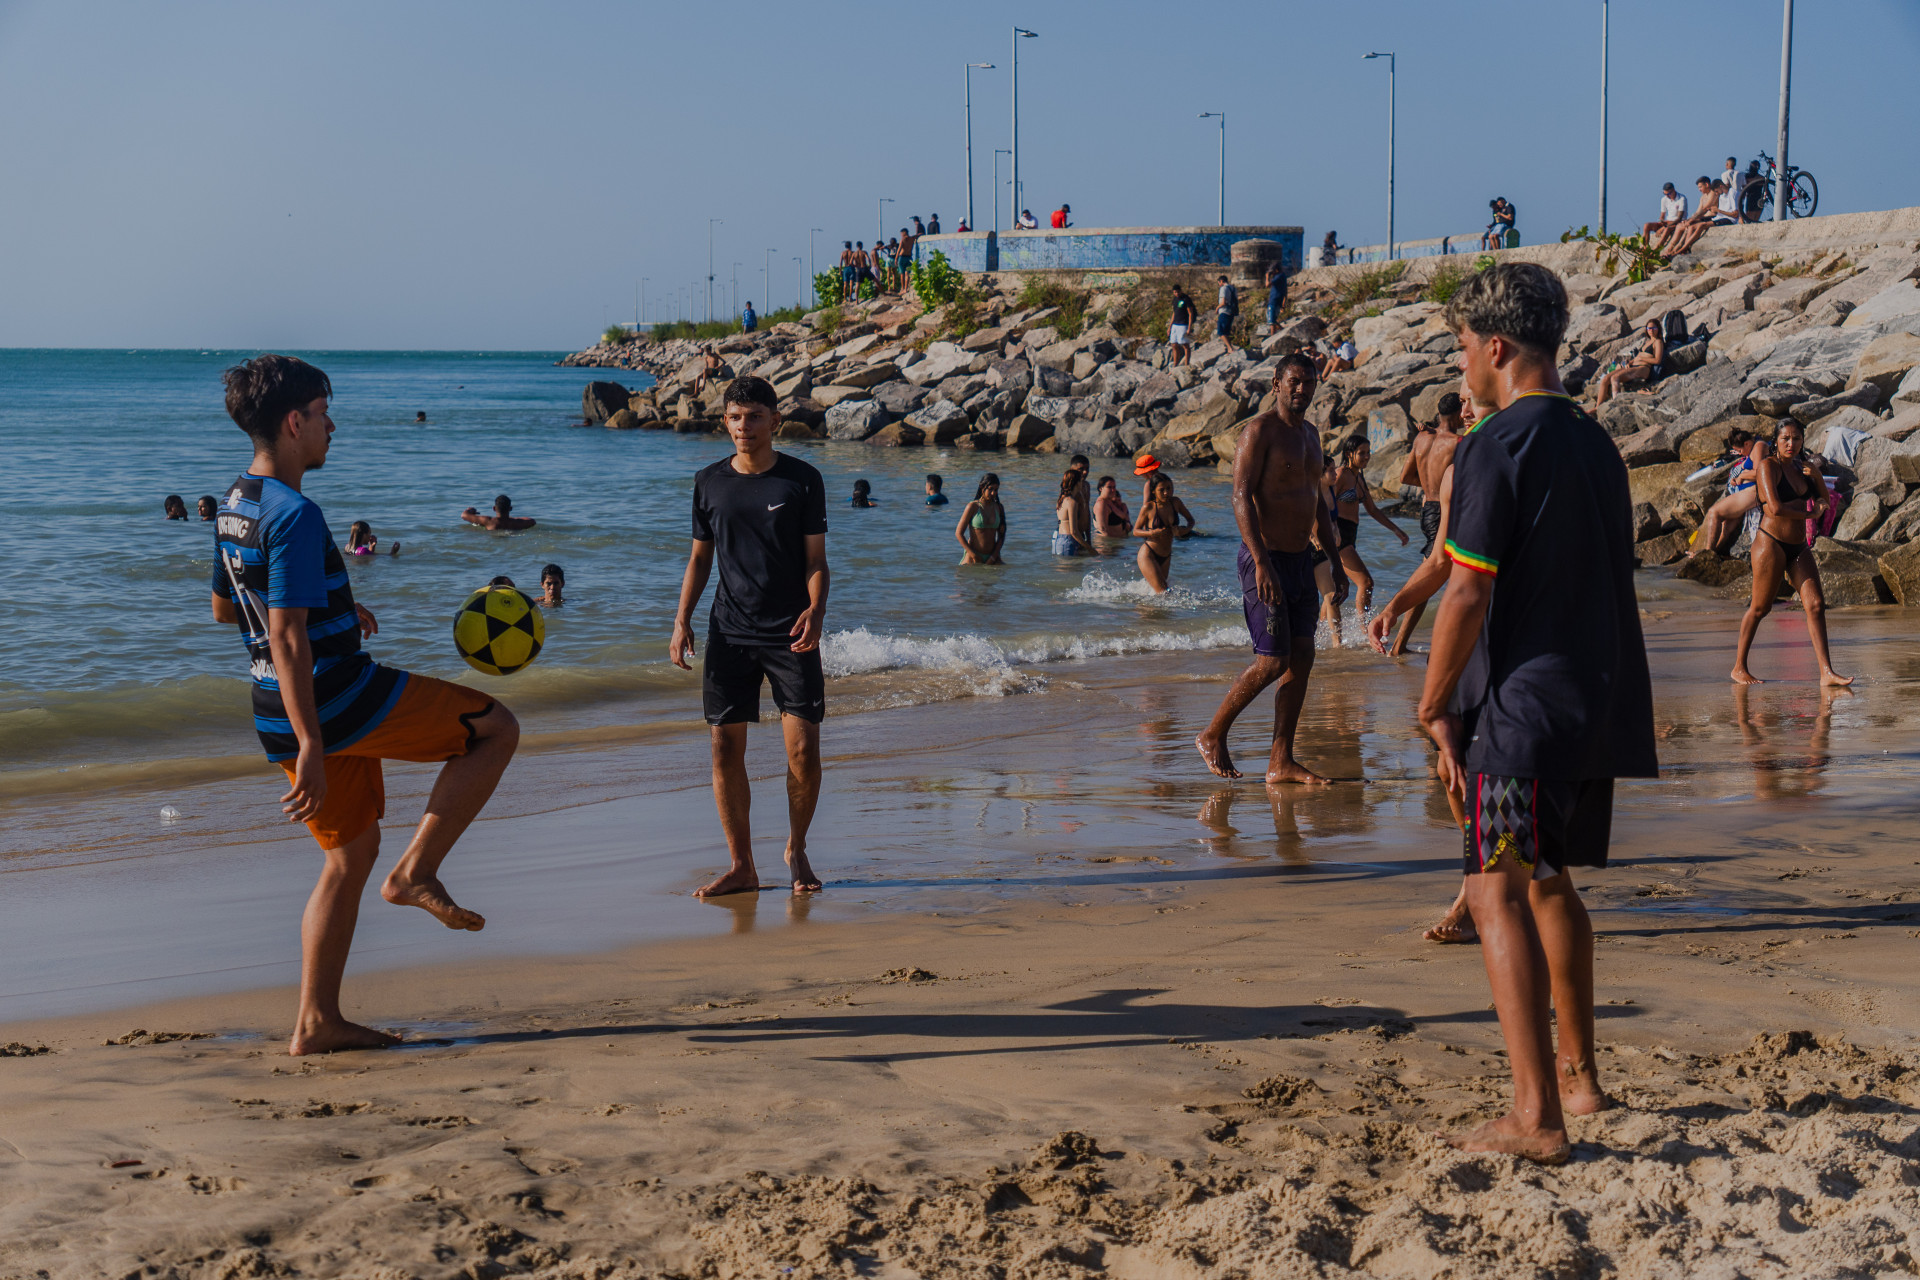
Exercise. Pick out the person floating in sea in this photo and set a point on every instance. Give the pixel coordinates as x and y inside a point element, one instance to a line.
<point>420,416</point>
<point>553,586</point>
<point>1154,528</point>
<point>1279,502</point>
<point>862,495</point>
<point>361,542</point>
<point>175,507</point>
<point>762,516</point>
<point>1111,518</point>
<point>1348,484</point>
<point>935,498</point>
<point>1793,494</point>
<point>325,711</point>
<point>1427,463</point>
<point>983,524</point>
<point>502,520</point>
<point>1538,646</point>
<point>208,507</point>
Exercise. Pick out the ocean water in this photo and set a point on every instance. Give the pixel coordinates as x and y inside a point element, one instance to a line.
<point>115,660</point>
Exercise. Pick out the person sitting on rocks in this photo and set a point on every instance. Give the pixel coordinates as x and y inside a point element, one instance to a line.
<point>1682,237</point>
<point>1648,365</point>
<point>502,520</point>
<point>1752,192</point>
<point>1342,358</point>
<point>1673,212</point>
<point>709,368</point>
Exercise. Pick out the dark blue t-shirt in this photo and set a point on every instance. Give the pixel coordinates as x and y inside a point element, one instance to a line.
<point>272,550</point>
<point>1557,687</point>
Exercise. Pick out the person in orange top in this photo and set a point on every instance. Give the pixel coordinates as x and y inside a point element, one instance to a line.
<point>1060,215</point>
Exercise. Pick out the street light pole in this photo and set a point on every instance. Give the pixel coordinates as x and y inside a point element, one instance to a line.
<point>766,282</point>
<point>1208,115</point>
<point>812,294</point>
<point>736,290</point>
<point>1393,75</point>
<point>995,202</point>
<point>799,285</point>
<point>881,217</point>
<point>1013,204</point>
<point>710,222</point>
<point>643,295</point>
<point>971,68</point>
<point>1603,117</point>
<point>1786,80</point>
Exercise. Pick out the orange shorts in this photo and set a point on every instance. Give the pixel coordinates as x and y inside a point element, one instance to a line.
<point>432,721</point>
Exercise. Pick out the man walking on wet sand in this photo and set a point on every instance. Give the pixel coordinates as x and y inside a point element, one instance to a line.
<point>1279,501</point>
<point>763,516</point>
<point>326,712</point>
<point>1537,692</point>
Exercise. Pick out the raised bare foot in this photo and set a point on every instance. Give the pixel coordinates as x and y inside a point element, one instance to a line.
<point>1831,681</point>
<point>735,881</point>
<point>1215,754</point>
<point>336,1037</point>
<point>1580,1091</point>
<point>1507,1136</point>
<point>1455,926</point>
<point>1292,771</point>
<point>804,881</point>
<point>1743,676</point>
<point>428,894</point>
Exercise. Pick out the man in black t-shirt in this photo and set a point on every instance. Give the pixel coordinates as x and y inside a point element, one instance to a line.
<point>1180,328</point>
<point>1537,691</point>
<point>763,516</point>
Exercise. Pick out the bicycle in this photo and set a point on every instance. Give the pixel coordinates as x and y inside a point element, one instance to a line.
<point>1803,193</point>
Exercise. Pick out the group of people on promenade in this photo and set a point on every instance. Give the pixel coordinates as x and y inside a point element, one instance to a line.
<point>1536,696</point>
<point>1733,197</point>
<point>888,266</point>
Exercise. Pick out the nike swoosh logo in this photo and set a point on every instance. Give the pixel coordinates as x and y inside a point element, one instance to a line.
<point>776,506</point>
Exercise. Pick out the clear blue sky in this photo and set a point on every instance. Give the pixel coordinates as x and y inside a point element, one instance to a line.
<point>492,175</point>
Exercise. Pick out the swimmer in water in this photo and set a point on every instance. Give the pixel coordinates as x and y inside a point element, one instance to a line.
<point>209,508</point>
<point>935,498</point>
<point>421,416</point>
<point>361,542</point>
<point>176,507</point>
<point>983,524</point>
<point>1155,530</point>
<point>1111,519</point>
<point>502,520</point>
<point>862,495</point>
<point>553,584</point>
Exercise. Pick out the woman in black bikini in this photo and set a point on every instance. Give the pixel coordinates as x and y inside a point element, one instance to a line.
<point>1348,492</point>
<point>1792,492</point>
<point>1155,529</point>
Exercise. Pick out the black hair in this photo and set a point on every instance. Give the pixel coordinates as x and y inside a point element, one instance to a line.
<point>750,391</point>
<point>502,504</point>
<point>935,481</point>
<point>500,580</point>
<point>1666,186</point>
<point>846,244</point>
<point>1703,181</point>
<point>206,498</point>
<point>263,390</point>
<point>1295,360</point>
<point>1449,406</point>
<point>861,486</point>
<point>555,572</point>
<point>987,481</point>
<point>1104,481</point>
<point>1078,460</point>
<point>174,500</point>
<point>1353,444</point>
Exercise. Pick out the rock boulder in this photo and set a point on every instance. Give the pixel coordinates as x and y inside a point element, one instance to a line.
<point>601,400</point>
<point>1900,570</point>
<point>855,419</point>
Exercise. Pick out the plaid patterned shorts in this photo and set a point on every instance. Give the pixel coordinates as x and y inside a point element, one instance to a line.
<point>1545,825</point>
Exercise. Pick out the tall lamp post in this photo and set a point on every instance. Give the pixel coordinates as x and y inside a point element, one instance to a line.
<point>1786,80</point>
<point>811,294</point>
<point>643,295</point>
<point>1603,117</point>
<point>710,222</point>
<point>799,284</point>
<point>971,68</point>
<point>766,282</point>
<point>995,202</point>
<point>1013,205</point>
<point>1209,115</point>
<point>881,219</point>
<point>736,291</point>
<point>1393,75</point>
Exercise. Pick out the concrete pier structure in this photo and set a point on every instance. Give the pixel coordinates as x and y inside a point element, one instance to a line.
<point>1108,249</point>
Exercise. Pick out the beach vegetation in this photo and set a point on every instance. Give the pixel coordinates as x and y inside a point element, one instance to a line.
<point>1365,286</point>
<point>1484,262</point>
<point>1445,282</point>
<point>830,317</point>
<point>615,334</point>
<point>962,312</point>
<point>1038,292</point>
<point>1788,270</point>
<point>937,281</point>
<point>826,287</point>
<point>1145,314</point>
<point>1611,250</point>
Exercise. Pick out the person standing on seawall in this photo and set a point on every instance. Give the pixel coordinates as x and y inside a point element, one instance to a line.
<point>326,712</point>
<point>1538,645</point>
<point>748,320</point>
<point>762,516</point>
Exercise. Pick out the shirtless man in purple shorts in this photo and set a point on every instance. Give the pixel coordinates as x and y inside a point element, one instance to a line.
<point>1279,501</point>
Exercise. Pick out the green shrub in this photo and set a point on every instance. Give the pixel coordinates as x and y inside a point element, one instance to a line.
<point>826,287</point>
<point>1050,293</point>
<point>615,334</point>
<point>1612,248</point>
<point>1445,282</point>
<point>830,318</point>
<point>1369,284</point>
<point>937,281</point>
<point>962,314</point>
<point>1483,262</point>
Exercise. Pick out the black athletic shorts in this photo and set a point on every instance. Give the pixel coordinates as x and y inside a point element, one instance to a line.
<point>1545,825</point>
<point>1430,526</point>
<point>730,682</point>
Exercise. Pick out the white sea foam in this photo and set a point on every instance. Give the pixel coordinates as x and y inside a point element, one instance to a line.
<point>863,652</point>
<point>1102,587</point>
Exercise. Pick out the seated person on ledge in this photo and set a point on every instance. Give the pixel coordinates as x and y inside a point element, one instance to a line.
<point>502,518</point>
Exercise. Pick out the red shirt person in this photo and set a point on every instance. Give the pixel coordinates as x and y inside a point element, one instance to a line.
<point>1060,215</point>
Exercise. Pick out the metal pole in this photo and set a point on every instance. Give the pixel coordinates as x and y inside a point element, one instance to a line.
<point>710,222</point>
<point>969,76</point>
<point>766,282</point>
<point>995,202</point>
<point>799,285</point>
<point>1603,117</point>
<point>881,216</point>
<point>1393,88</point>
<point>1786,80</point>
<point>1223,168</point>
<point>736,291</point>
<point>813,294</point>
<point>1013,203</point>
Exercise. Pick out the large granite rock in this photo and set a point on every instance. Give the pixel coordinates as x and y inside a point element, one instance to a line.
<point>1900,570</point>
<point>1662,548</point>
<point>1096,439</point>
<point>1776,399</point>
<point>1846,576</point>
<point>1898,301</point>
<point>830,396</point>
<point>1687,357</point>
<point>944,359</point>
<point>1648,447</point>
<point>1866,396</point>
<point>987,340</point>
<point>1886,362</point>
<point>1711,569</point>
<point>869,375</point>
<point>855,419</point>
<point>1158,391</point>
<point>1211,418</point>
<point>900,398</point>
<point>1294,335</point>
<point>1824,357</point>
<point>1902,525</point>
<point>1051,381</point>
<point>1630,415</point>
<point>601,400</point>
<point>1027,431</point>
<point>1009,373</point>
<point>624,420</point>
<point>1862,516</point>
<point>1055,409</point>
<point>1574,375</point>
<point>1712,394</point>
<point>1595,323</point>
<point>1875,471</point>
<point>983,441</point>
<point>1791,296</point>
<point>943,421</point>
<point>896,435</point>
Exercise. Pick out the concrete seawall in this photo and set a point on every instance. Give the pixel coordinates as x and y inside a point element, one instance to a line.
<point>1098,249</point>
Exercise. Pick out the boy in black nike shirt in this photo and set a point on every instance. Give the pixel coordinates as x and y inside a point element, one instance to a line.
<point>763,516</point>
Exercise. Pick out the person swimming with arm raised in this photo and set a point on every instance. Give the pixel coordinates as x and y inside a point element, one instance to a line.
<point>502,520</point>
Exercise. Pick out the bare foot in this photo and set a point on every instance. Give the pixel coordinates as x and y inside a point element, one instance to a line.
<point>1215,754</point>
<point>1831,681</point>
<point>1580,1091</point>
<point>1455,926</point>
<point>1508,1137</point>
<point>1742,676</point>
<point>1294,771</point>
<point>735,881</point>
<point>432,897</point>
<point>804,881</point>
<point>336,1037</point>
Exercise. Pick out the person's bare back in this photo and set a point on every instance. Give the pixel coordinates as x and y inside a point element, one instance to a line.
<point>1432,455</point>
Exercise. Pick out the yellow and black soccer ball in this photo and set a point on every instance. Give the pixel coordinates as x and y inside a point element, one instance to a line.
<point>499,631</point>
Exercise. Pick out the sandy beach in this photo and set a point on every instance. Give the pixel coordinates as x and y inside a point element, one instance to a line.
<point>1069,1007</point>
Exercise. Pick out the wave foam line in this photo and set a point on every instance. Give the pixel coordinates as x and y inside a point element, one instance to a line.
<point>862,652</point>
<point>1100,587</point>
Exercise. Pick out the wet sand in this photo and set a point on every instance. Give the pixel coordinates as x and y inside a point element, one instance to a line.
<point>1070,1006</point>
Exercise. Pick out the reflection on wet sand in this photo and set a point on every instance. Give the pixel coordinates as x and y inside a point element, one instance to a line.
<point>1779,717</point>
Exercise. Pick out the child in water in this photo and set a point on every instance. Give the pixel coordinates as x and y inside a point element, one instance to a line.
<point>361,542</point>
<point>553,581</point>
<point>935,498</point>
<point>862,494</point>
<point>209,507</point>
<point>176,507</point>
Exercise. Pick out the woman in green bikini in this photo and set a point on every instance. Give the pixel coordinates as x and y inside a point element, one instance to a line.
<point>983,524</point>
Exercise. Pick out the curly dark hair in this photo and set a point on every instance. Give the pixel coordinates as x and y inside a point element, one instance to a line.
<point>750,391</point>
<point>263,390</point>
